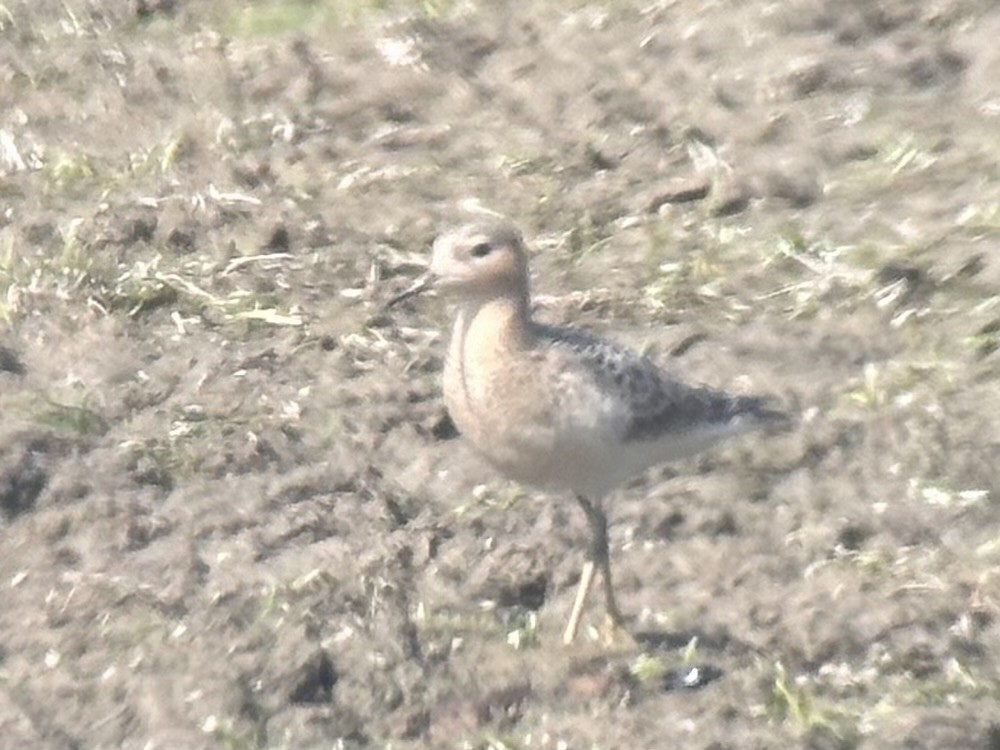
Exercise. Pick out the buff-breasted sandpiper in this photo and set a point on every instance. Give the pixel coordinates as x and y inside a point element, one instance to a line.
<point>557,408</point>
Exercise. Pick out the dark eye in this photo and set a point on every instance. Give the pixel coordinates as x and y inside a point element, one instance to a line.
<point>481,250</point>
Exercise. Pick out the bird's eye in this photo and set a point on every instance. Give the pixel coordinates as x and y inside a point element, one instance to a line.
<point>481,250</point>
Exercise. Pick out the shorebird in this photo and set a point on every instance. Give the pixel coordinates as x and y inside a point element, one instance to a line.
<point>557,408</point>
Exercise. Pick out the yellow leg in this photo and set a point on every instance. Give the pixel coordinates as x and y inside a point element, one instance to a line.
<point>586,579</point>
<point>598,561</point>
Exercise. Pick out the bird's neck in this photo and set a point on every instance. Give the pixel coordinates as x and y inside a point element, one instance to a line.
<point>494,324</point>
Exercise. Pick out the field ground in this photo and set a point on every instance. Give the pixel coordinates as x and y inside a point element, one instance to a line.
<point>229,516</point>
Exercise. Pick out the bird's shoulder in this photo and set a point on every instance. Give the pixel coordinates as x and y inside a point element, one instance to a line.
<point>653,401</point>
<point>613,365</point>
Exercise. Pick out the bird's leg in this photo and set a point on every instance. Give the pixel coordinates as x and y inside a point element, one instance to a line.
<point>602,559</point>
<point>586,575</point>
<point>586,579</point>
<point>599,559</point>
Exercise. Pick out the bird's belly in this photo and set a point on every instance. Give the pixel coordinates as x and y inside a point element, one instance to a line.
<point>536,440</point>
<point>542,457</point>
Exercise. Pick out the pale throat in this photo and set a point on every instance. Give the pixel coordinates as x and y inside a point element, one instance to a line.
<point>484,327</point>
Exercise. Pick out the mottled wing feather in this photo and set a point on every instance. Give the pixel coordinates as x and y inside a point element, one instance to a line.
<point>655,402</point>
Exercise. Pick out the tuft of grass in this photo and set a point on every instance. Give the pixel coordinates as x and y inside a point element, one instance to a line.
<point>824,268</point>
<point>72,420</point>
<point>513,166</point>
<point>980,218</point>
<point>905,152</point>
<point>696,278</point>
<point>490,499</point>
<point>525,635</point>
<point>897,154</point>
<point>67,170</point>
<point>60,272</point>
<point>898,385</point>
<point>161,158</point>
<point>75,269</point>
<point>874,562</point>
<point>648,668</point>
<point>873,391</point>
<point>9,291</point>
<point>791,703</point>
<point>494,741</point>
<point>161,461</point>
<point>986,340</point>
<point>279,17</point>
<point>140,288</point>
<point>689,654</point>
<point>586,237</point>
<point>443,622</point>
<point>236,734</point>
<point>271,19</point>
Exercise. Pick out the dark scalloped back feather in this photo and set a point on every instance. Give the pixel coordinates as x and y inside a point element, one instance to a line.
<point>657,402</point>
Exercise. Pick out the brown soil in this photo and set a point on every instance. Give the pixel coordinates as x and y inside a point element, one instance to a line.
<point>230,515</point>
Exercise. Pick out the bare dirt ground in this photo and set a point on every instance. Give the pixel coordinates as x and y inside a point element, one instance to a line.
<point>230,515</point>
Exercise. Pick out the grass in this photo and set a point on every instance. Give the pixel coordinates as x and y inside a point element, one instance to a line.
<point>443,622</point>
<point>161,158</point>
<point>69,415</point>
<point>164,461</point>
<point>495,741</point>
<point>810,275</point>
<point>76,172</point>
<point>986,340</point>
<point>980,219</point>
<point>280,17</point>
<point>79,270</point>
<point>905,152</point>
<point>648,668</point>
<point>492,499</point>
<point>69,170</point>
<point>711,255</point>
<point>72,420</point>
<point>26,274</point>
<point>143,287</point>
<point>526,634</point>
<point>882,384</point>
<point>266,19</point>
<point>858,702</point>
<point>791,702</point>
<point>237,734</point>
<point>899,153</point>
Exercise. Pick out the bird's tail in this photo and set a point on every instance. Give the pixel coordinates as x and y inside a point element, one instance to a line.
<point>755,412</point>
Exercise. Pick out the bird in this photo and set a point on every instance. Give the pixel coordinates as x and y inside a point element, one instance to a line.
<point>557,408</point>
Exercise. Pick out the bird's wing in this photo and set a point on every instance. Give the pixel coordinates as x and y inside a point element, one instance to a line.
<point>654,402</point>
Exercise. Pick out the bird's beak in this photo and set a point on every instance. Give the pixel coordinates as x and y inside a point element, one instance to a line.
<point>420,286</point>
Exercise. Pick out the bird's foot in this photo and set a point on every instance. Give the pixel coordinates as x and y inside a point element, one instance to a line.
<point>615,636</point>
